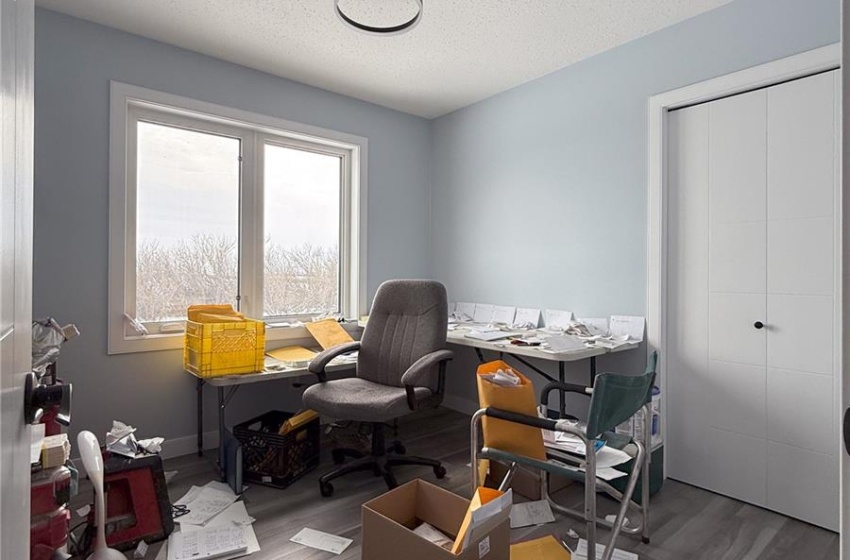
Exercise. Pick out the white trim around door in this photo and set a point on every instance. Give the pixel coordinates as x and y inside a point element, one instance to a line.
<point>811,62</point>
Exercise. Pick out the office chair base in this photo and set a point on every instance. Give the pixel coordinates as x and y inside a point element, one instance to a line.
<point>381,462</point>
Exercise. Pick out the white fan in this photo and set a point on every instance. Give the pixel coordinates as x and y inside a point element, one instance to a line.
<point>93,461</point>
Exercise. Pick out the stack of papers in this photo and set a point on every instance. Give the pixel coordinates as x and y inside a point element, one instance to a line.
<point>216,523</point>
<point>488,335</point>
<point>581,552</point>
<point>504,378</point>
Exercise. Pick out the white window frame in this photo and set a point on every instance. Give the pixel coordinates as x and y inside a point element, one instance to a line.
<point>127,104</point>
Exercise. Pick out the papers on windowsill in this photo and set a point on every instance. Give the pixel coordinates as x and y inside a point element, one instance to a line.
<point>531,513</point>
<point>321,541</point>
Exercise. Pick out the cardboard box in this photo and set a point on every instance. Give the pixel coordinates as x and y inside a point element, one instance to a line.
<point>389,520</point>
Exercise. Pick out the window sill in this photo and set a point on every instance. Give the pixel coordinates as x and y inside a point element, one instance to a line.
<point>174,341</point>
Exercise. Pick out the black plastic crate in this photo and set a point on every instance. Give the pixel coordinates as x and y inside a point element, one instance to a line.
<point>277,460</point>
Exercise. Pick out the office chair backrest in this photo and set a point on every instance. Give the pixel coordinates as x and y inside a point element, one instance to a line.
<point>617,397</point>
<point>408,320</point>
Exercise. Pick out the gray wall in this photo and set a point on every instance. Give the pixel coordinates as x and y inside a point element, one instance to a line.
<point>539,193</point>
<point>75,60</point>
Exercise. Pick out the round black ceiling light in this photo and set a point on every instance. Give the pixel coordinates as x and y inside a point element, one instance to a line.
<point>361,21</point>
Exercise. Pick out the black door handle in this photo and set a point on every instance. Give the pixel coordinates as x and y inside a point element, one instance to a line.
<point>758,325</point>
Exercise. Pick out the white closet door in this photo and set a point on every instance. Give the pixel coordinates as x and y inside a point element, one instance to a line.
<point>801,387</point>
<point>751,227</point>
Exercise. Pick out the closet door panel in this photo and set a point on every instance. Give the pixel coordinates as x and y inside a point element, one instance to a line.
<point>803,484</point>
<point>737,397</point>
<point>801,148</point>
<point>801,256</point>
<point>731,335</point>
<point>737,144</point>
<point>738,257</point>
<point>800,409</point>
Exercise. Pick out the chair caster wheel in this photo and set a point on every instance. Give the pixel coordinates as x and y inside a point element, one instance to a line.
<point>644,540</point>
<point>440,471</point>
<point>326,488</point>
<point>338,457</point>
<point>398,448</point>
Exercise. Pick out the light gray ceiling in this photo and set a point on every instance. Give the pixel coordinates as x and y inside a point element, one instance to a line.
<point>461,52</point>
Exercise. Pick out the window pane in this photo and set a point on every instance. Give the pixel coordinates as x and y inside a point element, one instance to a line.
<point>302,230</point>
<point>187,220</point>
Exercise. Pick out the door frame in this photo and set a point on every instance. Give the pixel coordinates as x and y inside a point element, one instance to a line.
<point>772,73</point>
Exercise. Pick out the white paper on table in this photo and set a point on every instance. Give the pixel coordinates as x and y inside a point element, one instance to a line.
<point>36,441</point>
<point>464,311</point>
<point>627,325</point>
<point>596,325</point>
<point>527,316</point>
<point>483,313</point>
<point>565,343</point>
<point>321,541</point>
<point>208,503</point>
<point>503,314</point>
<point>557,319</point>
<point>581,552</point>
<point>531,513</point>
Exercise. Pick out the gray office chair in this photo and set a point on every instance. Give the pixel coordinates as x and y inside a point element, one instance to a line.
<point>401,367</point>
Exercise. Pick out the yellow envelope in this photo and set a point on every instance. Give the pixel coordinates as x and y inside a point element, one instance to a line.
<point>509,436</point>
<point>291,354</point>
<point>481,497</point>
<point>546,547</point>
<point>328,333</point>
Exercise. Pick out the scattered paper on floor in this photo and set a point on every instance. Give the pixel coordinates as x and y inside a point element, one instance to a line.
<point>531,513</point>
<point>321,541</point>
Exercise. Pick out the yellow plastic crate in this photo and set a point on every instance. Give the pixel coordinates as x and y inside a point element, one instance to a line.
<point>216,349</point>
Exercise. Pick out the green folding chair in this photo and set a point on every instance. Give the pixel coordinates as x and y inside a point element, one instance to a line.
<point>614,399</point>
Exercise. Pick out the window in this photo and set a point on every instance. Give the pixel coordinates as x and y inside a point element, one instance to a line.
<point>213,205</point>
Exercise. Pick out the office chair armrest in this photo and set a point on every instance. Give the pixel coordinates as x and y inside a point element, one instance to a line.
<point>422,367</point>
<point>320,362</point>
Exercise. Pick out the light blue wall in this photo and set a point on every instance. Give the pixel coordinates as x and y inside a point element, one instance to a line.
<point>75,60</point>
<point>539,194</point>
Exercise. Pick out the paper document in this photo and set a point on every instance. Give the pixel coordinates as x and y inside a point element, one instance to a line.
<point>483,313</point>
<point>556,319</point>
<point>234,516</point>
<point>207,542</point>
<point>488,336</point>
<point>322,541</point>
<point>434,535</point>
<point>504,378</point>
<point>581,552</point>
<point>208,503</point>
<point>464,311</point>
<point>597,326</point>
<point>565,343</point>
<point>526,318</point>
<point>486,511</point>
<point>626,325</point>
<point>503,314</point>
<point>36,441</point>
<point>531,513</point>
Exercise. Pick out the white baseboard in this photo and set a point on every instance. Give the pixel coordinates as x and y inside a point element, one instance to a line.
<point>460,404</point>
<point>188,445</point>
<point>171,448</point>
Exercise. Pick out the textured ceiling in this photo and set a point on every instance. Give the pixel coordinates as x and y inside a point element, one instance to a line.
<point>462,51</point>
